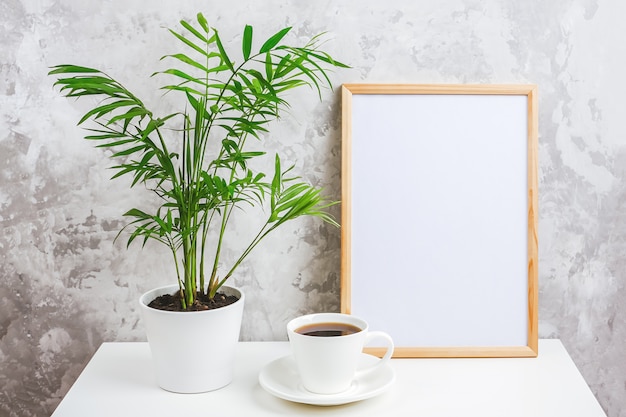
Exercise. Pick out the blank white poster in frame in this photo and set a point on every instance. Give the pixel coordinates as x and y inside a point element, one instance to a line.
<point>439,217</point>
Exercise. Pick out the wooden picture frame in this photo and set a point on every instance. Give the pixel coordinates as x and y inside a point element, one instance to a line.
<point>439,216</point>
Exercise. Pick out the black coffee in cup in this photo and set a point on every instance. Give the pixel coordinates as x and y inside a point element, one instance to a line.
<point>327,329</point>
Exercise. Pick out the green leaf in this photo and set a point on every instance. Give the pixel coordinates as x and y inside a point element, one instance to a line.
<point>323,56</point>
<point>184,76</point>
<point>283,65</point>
<point>230,146</point>
<point>184,58</point>
<point>112,144</point>
<point>276,185</point>
<point>129,151</point>
<point>83,87</point>
<point>194,31</point>
<point>273,41</point>
<point>223,53</point>
<point>107,108</point>
<point>247,42</point>
<point>269,67</point>
<point>251,154</point>
<point>198,107</point>
<point>130,114</point>
<point>203,22</point>
<point>189,43</point>
<point>65,69</point>
<point>288,85</point>
<point>183,89</point>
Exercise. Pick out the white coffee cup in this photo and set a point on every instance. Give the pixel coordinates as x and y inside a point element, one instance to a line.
<point>328,364</point>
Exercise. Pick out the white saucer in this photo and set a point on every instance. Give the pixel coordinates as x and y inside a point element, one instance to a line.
<point>280,378</point>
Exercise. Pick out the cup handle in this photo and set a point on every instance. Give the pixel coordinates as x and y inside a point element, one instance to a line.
<point>385,359</point>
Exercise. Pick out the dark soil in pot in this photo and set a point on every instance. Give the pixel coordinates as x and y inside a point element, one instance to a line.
<point>171,302</point>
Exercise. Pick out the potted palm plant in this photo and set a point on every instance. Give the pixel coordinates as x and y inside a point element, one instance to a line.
<point>198,161</point>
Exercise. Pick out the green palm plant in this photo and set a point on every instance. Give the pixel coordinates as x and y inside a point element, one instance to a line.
<point>227,106</point>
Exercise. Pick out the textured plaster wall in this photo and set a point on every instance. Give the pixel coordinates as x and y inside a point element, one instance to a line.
<point>65,287</point>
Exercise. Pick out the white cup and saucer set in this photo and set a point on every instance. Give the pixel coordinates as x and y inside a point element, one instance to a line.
<point>327,365</point>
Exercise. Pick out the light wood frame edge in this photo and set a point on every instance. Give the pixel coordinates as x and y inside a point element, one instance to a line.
<point>458,352</point>
<point>530,90</point>
<point>533,210</point>
<point>346,199</point>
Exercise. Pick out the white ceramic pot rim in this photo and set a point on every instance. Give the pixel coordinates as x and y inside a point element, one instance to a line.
<point>150,295</point>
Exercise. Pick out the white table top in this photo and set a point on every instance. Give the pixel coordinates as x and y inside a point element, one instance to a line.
<point>119,381</point>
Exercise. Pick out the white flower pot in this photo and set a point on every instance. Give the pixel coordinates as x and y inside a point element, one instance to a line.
<point>193,351</point>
